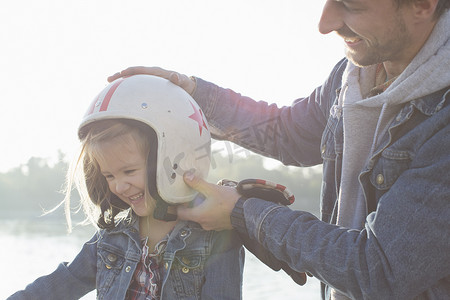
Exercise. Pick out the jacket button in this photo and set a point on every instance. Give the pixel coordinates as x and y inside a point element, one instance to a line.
<point>380,179</point>
<point>166,265</point>
<point>108,267</point>
<point>324,148</point>
<point>185,270</point>
<point>184,233</point>
<point>112,257</point>
<point>128,269</point>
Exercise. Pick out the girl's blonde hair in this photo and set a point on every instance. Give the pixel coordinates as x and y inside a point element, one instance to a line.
<point>99,204</point>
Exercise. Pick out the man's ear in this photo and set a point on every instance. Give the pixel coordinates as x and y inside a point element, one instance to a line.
<point>424,9</point>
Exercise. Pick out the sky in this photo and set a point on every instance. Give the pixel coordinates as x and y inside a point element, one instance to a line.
<point>55,57</point>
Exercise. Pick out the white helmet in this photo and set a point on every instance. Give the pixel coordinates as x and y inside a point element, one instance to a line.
<point>184,140</point>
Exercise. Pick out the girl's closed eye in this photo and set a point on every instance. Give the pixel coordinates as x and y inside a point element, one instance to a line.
<point>108,177</point>
<point>130,172</point>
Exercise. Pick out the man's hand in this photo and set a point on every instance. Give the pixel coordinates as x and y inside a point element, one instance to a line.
<point>181,80</point>
<point>213,213</point>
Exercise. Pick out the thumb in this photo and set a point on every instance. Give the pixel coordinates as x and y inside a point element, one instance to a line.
<point>197,183</point>
<point>197,212</point>
<point>214,212</point>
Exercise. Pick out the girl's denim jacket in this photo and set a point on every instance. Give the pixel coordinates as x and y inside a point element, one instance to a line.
<point>403,252</point>
<point>197,264</point>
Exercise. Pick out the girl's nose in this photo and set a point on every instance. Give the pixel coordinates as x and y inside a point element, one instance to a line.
<point>331,19</point>
<point>122,186</point>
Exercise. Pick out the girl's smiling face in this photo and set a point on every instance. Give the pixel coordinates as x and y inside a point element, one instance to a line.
<point>124,166</point>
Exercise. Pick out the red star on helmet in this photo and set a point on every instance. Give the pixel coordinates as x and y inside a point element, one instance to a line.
<point>197,116</point>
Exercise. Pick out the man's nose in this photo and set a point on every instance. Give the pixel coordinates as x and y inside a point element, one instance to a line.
<point>331,19</point>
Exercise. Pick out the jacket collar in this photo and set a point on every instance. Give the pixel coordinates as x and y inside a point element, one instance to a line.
<point>432,103</point>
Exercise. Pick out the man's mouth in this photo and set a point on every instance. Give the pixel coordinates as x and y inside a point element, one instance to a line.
<point>352,40</point>
<point>349,36</point>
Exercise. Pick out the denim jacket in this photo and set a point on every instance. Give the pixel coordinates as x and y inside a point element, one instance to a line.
<point>403,252</point>
<point>197,264</point>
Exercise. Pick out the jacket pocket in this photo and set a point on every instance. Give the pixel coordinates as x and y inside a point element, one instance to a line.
<point>389,167</point>
<point>187,273</point>
<point>110,261</point>
<point>332,139</point>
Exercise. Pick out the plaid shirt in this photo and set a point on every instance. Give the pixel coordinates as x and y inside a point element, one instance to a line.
<point>381,84</point>
<point>146,281</point>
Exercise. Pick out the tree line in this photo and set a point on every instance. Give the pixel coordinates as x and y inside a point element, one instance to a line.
<point>35,187</point>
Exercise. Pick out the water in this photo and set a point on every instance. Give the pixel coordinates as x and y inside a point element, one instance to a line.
<point>31,249</point>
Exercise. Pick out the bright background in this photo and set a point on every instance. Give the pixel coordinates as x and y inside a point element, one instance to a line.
<point>55,57</point>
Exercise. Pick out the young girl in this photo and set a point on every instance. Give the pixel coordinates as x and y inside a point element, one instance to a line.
<point>138,138</point>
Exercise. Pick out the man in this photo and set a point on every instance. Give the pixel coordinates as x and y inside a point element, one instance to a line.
<point>380,127</point>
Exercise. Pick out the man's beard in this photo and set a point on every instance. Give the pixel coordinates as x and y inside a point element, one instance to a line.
<point>387,48</point>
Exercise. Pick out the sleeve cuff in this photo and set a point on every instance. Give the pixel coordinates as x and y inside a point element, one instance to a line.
<point>237,217</point>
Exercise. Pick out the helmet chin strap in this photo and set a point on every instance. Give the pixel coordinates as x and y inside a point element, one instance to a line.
<point>161,211</point>
<point>161,208</point>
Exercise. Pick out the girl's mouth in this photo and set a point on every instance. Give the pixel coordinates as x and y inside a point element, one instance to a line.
<point>136,198</point>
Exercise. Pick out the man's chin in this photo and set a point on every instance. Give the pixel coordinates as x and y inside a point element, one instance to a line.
<point>360,62</point>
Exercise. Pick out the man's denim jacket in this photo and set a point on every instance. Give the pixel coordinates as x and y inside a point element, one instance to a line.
<point>197,264</point>
<point>403,252</point>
